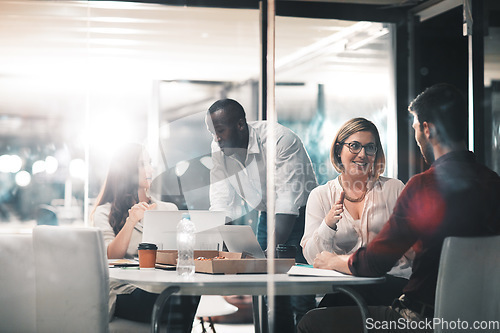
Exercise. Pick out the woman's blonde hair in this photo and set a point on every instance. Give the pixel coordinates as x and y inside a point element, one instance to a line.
<point>352,126</point>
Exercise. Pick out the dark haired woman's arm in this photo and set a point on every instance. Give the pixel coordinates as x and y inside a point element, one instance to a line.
<point>118,247</point>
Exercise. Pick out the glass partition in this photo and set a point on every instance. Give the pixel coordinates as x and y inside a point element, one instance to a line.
<point>492,96</point>
<point>42,112</point>
<point>78,79</point>
<point>334,71</point>
<point>116,72</point>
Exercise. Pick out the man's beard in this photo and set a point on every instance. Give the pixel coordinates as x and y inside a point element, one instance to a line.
<point>228,151</point>
<point>427,151</point>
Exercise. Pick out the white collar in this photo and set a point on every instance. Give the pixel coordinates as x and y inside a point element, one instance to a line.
<point>253,141</point>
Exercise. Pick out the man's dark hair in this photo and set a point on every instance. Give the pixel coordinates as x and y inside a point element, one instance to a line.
<point>233,109</point>
<point>444,106</point>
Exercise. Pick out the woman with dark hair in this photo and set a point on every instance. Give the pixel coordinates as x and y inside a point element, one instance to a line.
<point>118,213</point>
<point>349,211</point>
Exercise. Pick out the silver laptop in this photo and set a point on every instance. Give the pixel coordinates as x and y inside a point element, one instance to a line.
<point>160,228</point>
<point>240,239</point>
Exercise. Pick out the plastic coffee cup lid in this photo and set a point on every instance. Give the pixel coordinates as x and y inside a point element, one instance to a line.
<point>147,246</point>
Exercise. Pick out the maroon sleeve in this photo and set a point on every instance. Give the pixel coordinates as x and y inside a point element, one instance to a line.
<point>395,238</point>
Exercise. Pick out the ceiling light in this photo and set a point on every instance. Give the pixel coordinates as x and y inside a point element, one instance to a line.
<point>118,5</point>
<point>334,43</point>
<point>114,19</point>
<point>117,31</point>
<point>113,42</point>
<point>360,43</point>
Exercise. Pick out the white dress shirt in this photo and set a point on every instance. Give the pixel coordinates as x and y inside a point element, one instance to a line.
<point>351,234</point>
<point>231,181</point>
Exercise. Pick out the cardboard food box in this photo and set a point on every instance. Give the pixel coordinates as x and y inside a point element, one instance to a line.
<point>233,263</point>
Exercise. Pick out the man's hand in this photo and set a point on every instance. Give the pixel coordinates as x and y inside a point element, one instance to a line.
<point>329,260</point>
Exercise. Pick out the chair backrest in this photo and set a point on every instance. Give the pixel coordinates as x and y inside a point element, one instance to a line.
<point>17,283</point>
<point>72,279</point>
<point>46,215</point>
<point>468,286</point>
<point>214,305</point>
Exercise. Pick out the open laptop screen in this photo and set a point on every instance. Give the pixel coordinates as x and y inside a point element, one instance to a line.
<point>160,228</point>
<point>241,238</point>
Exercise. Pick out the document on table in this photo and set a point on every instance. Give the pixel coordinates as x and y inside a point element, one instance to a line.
<point>310,271</point>
<point>122,262</point>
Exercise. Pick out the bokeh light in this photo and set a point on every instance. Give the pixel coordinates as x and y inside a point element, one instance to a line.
<point>51,164</point>
<point>38,167</point>
<point>10,163</point>
<point>77,168</point>
<point>23,178</point>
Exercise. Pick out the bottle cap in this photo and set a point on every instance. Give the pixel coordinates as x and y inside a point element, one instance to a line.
<point>186,216</point>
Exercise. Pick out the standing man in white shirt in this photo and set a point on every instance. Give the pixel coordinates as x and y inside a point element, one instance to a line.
<point>239,154</point>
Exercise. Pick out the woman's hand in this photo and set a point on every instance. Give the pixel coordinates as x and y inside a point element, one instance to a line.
<point>334,215</point>
<point>136,213</point>
<point>118,247</point>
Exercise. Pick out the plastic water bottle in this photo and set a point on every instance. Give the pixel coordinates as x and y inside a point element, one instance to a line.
<point>185,247</point>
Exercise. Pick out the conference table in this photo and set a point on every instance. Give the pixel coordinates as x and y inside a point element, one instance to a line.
<point>167,283</point>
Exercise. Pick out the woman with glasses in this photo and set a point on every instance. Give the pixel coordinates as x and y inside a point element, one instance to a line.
<point>349,211</point>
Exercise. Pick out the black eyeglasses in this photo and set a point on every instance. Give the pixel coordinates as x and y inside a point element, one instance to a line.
<point>355,147</point>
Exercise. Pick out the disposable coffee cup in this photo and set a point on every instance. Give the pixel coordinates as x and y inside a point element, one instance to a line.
<point>286,251</point>
<point>147,255</point>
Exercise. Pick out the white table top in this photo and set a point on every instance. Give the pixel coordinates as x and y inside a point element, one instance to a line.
<point>234,284</point>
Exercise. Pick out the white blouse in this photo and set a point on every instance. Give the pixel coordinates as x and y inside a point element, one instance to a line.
<point>351,234</point>
<point>101,221</point>
<point>231,181</point>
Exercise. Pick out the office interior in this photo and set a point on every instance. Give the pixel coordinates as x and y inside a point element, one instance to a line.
<point>78,78</point>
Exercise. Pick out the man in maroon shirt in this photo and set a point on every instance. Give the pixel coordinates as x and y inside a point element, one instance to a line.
<point>456,197</point>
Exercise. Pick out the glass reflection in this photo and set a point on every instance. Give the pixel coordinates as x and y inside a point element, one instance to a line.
<point>340,70</point>
<point>116,72</point>
<point>492,95</point>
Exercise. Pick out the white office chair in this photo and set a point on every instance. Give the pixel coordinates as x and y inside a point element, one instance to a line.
<point>17,286</point>
<point>468,286</point>
<point>211,306</point>
<point>72,282</point>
